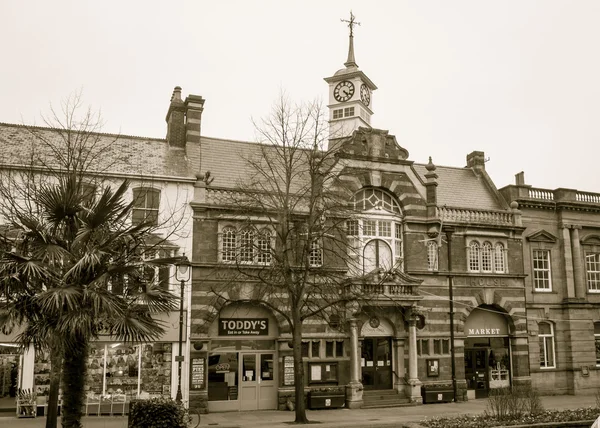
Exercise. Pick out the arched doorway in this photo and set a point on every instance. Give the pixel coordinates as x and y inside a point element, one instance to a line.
<point>487,351</point>
<point>376,354</point>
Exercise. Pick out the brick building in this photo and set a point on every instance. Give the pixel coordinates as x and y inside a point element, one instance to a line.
<point>561,257</point>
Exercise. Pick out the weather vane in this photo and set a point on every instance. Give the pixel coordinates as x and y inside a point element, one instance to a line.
<point>351,23</point>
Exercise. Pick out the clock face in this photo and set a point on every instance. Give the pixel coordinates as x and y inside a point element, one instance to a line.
<point>343,91</point>
<point>365,94</point>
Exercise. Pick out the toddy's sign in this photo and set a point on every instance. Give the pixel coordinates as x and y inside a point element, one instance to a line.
<point>243,326</point>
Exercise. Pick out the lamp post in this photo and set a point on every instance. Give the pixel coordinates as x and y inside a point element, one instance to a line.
<point>182,274</point>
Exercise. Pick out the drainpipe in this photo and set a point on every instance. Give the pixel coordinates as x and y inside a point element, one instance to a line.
<point>449,232</point>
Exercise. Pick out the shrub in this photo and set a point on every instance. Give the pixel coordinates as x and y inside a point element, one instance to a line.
<point>513,403</point>
<point>158,413</point>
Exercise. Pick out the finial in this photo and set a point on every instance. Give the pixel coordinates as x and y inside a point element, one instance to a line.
<point>430,166</point>
<point>350,62</point>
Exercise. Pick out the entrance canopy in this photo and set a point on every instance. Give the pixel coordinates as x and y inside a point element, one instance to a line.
<point>486,322</point>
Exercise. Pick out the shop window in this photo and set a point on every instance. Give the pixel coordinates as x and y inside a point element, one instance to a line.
<point>223,377</point>
<point>432,256</point>
<point>592,267</point>
<point>597,341</point>
<point>541,270</point>
<point>145,206</point>
<point>546,340</point>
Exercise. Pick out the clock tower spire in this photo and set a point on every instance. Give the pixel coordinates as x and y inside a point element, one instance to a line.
<point>350,94</point>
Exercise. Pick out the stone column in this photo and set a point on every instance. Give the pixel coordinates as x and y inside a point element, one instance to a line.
<point>399,366</point>
<point>578,273</point>
<point>414,384</point>
<point>568,258</point>
<point>354,390</point>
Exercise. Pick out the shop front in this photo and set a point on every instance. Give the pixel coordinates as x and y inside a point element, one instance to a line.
<point>242,360</point>
<point>487,351</point>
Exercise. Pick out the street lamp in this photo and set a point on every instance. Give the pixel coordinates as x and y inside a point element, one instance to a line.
<point>182,274</point>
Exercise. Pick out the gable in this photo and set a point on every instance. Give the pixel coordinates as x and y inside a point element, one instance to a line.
<point>541,236</point>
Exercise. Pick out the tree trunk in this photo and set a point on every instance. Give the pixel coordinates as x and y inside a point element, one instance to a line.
<point>73,378</point>
<point>298,370</point>
<point>55,369</point>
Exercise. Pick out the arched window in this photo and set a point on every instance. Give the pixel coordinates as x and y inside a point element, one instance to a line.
<point>228,241</point>
<point>474,256</point>
<point>263,246</point>
<point>375,236</point>
<point>145,206</point>
<point>486,257</point>
<point>432,255</point>
<point>499,263</point>
<point>247,245</point>
<point>546,336</point>
<point>377,254</point>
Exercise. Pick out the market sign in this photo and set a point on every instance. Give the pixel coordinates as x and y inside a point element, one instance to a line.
<point>486,322</point>
<point>243,326</point>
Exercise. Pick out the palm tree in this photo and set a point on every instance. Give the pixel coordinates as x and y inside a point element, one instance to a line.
<point>75,272</point>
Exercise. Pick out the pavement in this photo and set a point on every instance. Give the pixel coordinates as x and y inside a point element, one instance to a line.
<point>332,418</point>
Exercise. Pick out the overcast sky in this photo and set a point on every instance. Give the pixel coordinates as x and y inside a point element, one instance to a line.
<point>519,80</point>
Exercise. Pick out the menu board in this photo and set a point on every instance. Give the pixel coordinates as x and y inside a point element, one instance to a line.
<point>288,370</point>
<point>197,373</point>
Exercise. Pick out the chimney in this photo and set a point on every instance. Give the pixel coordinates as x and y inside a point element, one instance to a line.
<point>176,133</point>
<point>476,160</point>
<point>520,179</point>
<point>194,105</point>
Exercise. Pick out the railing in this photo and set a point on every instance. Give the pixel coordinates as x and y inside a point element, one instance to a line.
<point>547,195</point>
<point>225,197</point>
<point>463,215</point>
<point>388,290</point>
<point>587,197</point>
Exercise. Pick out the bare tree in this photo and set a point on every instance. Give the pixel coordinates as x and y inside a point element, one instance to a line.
<point>291,253</point>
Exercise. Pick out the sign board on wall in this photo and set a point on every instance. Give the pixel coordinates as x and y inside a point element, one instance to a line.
<point>243,326</point>
<point>486,323</point>
<point>288,370</point>
<point>197,373</point>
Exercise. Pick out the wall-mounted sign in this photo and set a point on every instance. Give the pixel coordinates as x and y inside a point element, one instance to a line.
<point>486,323</point>
<point>243,326</point>
<point>288,370</point>
<point>197,373</point>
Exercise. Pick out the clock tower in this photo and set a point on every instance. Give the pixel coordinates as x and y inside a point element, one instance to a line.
<point>350,94</point>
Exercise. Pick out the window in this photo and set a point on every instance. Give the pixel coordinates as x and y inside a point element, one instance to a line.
<point>145,206</point>
<point>499,258</point>
<point>486,257</point>
<point>432,255</point>
<point>315,256</point>
<point>546,336</point>
<point>247,245</point>
<point>597,341</point>
<point>592,267</point>
<point>375,240</point>
<point>541,270</point>
<point>349,112</point>
<point>338,114</point>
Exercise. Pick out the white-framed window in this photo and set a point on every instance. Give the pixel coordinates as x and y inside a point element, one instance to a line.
<point>542,280</point>
<point>486,257</point>
<point>547,353</point>
<point>348,111</point>
<point>597,341</point>
<point>375,239</point>
<point>246,245</point>
<point>146,202</point>
<point>432,255</point>
<point>592,269</point>
<point>499,262</point>
<point>315,255</point>
<point>338,114</point>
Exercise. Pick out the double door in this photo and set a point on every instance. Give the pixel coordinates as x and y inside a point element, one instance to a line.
<point>376,362</point>
<point>258,390</point>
